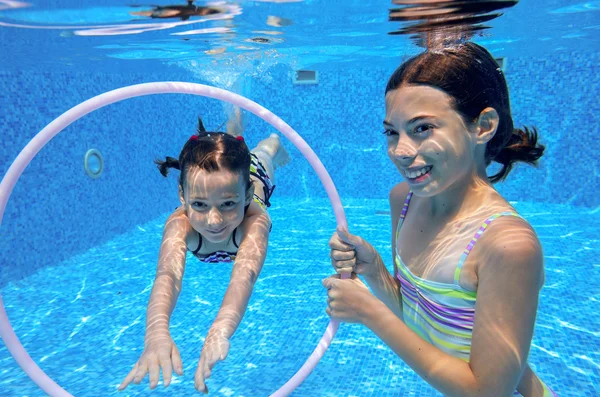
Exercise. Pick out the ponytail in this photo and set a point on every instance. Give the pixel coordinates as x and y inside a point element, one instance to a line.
<point>163,166</point>
<point>521,146</point>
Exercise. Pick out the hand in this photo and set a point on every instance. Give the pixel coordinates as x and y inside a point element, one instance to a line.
<point>352,254</point>
<point>348,300</point>
<point>216,347</point>
<point>160,353</point>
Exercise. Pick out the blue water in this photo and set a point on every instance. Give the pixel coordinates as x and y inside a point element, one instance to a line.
<point>78,256</point>
<point>83,320</point>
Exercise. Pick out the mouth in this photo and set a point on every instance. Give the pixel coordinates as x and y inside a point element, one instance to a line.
<point>418,175</point>
<point>216,231</point>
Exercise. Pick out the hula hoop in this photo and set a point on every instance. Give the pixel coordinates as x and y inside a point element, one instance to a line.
<point>44,136</point>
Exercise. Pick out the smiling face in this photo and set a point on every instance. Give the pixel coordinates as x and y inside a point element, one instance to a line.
<point>214,202</point>
<point>428,140</point>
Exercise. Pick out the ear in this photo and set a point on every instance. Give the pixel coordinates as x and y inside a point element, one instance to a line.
<point>249,193</point>
<point>181,195</point>
<point>486,125</point>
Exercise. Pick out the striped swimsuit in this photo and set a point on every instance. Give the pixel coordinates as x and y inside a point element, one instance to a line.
<point>442,314</point>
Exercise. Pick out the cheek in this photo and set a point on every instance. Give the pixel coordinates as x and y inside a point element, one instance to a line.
<point>391,147</point>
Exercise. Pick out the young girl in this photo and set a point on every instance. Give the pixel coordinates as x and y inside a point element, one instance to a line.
<point>460,308</point>
<point>224,191</point>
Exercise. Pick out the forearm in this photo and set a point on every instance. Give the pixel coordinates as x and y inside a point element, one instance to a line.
<point>234,304</point>
<point>449,375</point>
<point>163,299</point>
<point>385,287</point>
<point>248,265</point>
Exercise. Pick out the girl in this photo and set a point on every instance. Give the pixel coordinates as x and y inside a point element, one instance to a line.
<point>460,308</point>
<point>224,191</point>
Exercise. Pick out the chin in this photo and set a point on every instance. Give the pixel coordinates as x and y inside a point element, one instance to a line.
<point>429,190</point>
<point>216,238</point>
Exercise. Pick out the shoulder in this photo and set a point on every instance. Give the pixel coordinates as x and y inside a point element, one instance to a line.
<point>178,226</point>
<point>399,193</point>
<point>254,215</point>
<point>397,197</point>
<point>512,253</point>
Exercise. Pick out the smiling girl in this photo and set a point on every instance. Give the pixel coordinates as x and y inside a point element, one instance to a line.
<point>461,305</point>
<point>224,190</point>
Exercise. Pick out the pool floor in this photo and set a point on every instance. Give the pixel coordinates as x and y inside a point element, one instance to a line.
<point>83,320</point>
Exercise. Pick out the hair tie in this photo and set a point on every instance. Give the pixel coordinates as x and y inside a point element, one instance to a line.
<point>239,138</point>
<point>194,138</point>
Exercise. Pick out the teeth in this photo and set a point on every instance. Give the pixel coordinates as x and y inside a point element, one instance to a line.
<point>419,172</point>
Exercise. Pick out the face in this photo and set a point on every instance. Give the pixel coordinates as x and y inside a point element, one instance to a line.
<point>427,139</point>
<point>214,202</point>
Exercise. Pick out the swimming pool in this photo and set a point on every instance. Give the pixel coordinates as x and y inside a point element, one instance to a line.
<point>78,255</point>
<point>86,330</point>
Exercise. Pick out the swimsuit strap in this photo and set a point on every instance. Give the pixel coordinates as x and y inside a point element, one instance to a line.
<point>233,238</point>
<point>406,203</point>
<point>478,234</point>
<point>195,252</point>
<point>403,214</point>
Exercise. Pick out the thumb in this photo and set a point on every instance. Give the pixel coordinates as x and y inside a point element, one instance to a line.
<point>346,237</point>
<point>350,239</point>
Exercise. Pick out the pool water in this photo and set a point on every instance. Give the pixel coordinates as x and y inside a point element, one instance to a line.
<point>83,321</point>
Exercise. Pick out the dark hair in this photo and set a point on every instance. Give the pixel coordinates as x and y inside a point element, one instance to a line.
<point>210,151</point>
<point>471,76</point>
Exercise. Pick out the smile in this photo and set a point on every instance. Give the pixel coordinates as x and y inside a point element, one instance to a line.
<point>417,174</point>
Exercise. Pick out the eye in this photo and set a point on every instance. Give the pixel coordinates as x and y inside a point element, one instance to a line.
<point>198,204</point>
<point>422,129</point>
<point>229,204</point>
<point>389,132</point>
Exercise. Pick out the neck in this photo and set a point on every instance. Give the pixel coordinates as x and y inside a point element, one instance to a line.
<point>464,196</point>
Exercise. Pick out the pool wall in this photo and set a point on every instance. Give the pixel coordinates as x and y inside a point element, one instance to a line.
<point>56,210</point>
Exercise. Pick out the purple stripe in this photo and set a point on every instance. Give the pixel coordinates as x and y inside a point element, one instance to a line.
<point>467,330</point>
<point>461,322</point>
<point>442,310</point>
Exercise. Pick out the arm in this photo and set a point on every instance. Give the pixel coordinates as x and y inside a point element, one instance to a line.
<point>248,265</point>
<point>246,269</point>
<point>384,285</point>
<point>509,282</point>
<point>159,349</point>
<point>169,276</point>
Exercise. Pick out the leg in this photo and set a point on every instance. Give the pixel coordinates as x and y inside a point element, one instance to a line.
<point>271,154</point>
<point>234,123</point>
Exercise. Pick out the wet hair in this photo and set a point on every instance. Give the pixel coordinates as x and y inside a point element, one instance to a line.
<point>470,75</point>
<point>210,151</point>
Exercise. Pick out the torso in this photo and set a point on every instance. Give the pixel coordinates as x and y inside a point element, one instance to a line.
<point>431,247</point>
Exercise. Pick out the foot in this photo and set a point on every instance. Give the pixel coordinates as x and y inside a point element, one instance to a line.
<point>274,149</point>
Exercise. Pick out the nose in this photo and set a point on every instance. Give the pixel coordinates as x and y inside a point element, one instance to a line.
<point>405,151</point>
<point>215,217</point>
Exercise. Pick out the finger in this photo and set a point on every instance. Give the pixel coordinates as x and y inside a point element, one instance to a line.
<point>128,378</point>
<point>154,371</point>
<point>167,370</point>
<point>338,255</point>
<point>199,378</point>
<point>335,243</point>
<point>329,282</point>
<point>141,372</point>
<point>207,368</point>
<point>342,267</point>
<point>328,311</point>
<point>177,363</point>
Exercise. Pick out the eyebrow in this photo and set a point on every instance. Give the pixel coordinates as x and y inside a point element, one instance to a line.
<point>414,119</point>
<point>224,197</point>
